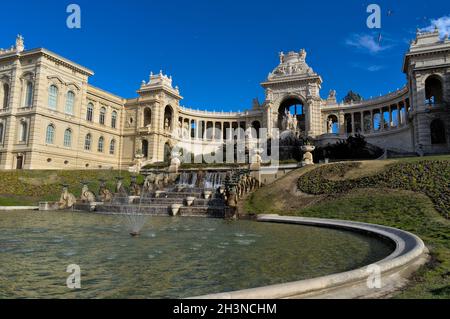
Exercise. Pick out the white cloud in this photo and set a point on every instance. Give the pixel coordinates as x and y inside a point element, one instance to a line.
<point>443,24</point>
<point>370,68</point>
<point>366,42</point>
<point>375,68</point>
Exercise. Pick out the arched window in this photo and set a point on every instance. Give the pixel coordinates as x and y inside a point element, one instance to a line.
<point>112,147</point>
<point>52,97</point>
<point>50,136</point>
<point>5,101</point>
<point>114,119</point>
<point>102,116</point>
<point>437,129</point>
<point>23,131</point>
<point>29,95</point>
<point>68,137</point>
<point>90,112</point>
<point>101,141</point>
<point>1,132</point>
<point>147,117</point>
<point>433,90</point>
<point>70,102</point>
<point>88,142</point>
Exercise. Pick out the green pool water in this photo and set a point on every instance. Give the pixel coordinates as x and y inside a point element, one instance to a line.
<point>173,258</point>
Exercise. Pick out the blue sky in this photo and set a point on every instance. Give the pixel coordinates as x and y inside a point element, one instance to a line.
<point>219,51</point>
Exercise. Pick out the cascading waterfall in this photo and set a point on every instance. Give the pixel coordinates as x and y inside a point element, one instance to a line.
<point>213,180</point>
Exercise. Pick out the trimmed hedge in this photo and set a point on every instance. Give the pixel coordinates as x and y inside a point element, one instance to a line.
<point>429,177</point>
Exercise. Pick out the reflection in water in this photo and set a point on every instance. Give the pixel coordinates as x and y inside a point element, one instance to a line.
<point>174,257</point>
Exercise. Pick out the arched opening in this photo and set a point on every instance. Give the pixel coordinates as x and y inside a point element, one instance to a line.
<point>102,115</point>
<point>29,95</point>
<point>50,135</point>
<point>147,117</point>
<point>90,112</point>
<point>101,143</point>
<point>168,118</point>
<point>145,148</point>
<point>332,124</point>
<point>88,142</point>
<point>437,129</point>
<point>53,97</point>
<point>291,115</point>
<point>114,119</point>
<point>68,137</point>
<point>112,147</point>
<point>70,103</point>
<point>257,126</point>
<point>433,90</point>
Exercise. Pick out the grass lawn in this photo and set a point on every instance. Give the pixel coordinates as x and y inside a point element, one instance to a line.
<point>405,209</point>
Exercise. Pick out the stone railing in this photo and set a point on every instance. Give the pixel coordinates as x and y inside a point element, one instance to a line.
<point>215,113</point>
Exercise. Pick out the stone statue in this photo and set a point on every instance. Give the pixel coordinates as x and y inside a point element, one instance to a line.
<point>67,200</point>
<point>281,57</point>
<point>166,123</point>
<point>294,123</point>
<point>120,189</point>
<point>86,195</point>
<point>269,94</point>
<point>330,126</point>
<point>135,189</point>
<point>104,193</point>
<point>332,95</point>
<point>149,183</point>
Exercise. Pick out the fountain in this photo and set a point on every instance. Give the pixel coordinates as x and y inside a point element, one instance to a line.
<point>212,193</point>
<point>134,219</point>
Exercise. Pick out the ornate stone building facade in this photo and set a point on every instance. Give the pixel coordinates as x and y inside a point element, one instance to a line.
<point>52,118</point>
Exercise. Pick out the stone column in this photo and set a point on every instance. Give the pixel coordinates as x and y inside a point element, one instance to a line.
<point>353,123</point>
<point>341,123</point>
<point>398,115</point>
<point>390,117</point>
<point>372,129</point>
<point>381,120</point>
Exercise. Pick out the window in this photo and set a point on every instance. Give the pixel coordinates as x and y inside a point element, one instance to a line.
<point>68,138</point>
<point>23,131</point>
<point>433,90</point>
<point>147,117</point>
<point>114,119</point>
<point>52,97</point>
<point>50,136</point>
<point>29,95</point>
<point>70,102</point>
<point>1,132</point>
<point>90,112</point>
<point>5,95</point>
<point>87,142</point>
<point>101,119</point>
<point>112,147</point>
<point>100,144</point>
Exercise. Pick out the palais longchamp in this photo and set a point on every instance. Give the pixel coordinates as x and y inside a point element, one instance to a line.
<point>52,118</point>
